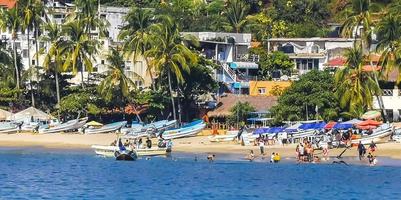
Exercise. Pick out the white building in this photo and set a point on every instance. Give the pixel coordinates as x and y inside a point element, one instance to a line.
<point>310,53</point>
<point>57,12</point>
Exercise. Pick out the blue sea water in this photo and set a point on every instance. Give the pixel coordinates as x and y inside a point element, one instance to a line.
<point>56,174</point>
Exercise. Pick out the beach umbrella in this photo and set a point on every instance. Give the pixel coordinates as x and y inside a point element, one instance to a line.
<point>94,123</point>
<point>343,126</point>
<point>369,122</point>
<point>5,115</point>
<point>330,125</point>
<point>371,115</point>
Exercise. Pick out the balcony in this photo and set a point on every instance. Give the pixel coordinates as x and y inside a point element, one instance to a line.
<point>247,58</point>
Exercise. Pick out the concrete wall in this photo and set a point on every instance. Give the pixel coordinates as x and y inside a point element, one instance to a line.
<point>392,102</point>
<point>268,86</point>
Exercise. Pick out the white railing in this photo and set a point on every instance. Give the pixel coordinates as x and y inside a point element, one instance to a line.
<point>229,71</point>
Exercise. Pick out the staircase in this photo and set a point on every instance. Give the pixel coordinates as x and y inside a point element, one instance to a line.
<point>231,73</point>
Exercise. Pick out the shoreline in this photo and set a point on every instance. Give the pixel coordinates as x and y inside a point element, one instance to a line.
<point>193,145</point>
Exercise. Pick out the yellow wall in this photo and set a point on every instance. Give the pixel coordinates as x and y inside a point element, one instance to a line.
<point>270,87</point>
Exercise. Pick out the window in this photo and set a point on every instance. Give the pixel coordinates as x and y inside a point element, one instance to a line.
<point>261,90</point>
<point>307,64</point>
<point>33,62</point>
<point>102,62</point>
<point>315,49</point>
<point>288,48</point>
<point>25,53</point>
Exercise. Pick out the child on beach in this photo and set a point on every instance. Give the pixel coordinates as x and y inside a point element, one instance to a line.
<point>251,156</point>
<point>272,157</point>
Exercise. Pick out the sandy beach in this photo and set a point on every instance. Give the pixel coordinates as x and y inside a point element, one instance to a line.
<point>198,145</point>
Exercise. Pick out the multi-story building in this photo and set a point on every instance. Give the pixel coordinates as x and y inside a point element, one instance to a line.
<point>231,52</point>
<point>58,11</point>
<point>311,53</point>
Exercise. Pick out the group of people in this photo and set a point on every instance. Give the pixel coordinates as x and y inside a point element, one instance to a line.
<point>305,152</point>
<point>139,144</point>
<point>372,149</point>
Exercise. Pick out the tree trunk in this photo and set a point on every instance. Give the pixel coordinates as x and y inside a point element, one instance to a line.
<point>151,75</point>
<point>37,45</point>
<point>30,67</point>
<point>380,99</point>
<point>179,110</point>
<point>82,73</point>
<point>16,65</point>
<point>57,93</point>
<point>171,94</point>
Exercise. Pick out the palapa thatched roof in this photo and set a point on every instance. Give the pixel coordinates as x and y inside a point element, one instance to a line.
<point>34,113</point>
<point>5,115</point>
<point>261,103</point>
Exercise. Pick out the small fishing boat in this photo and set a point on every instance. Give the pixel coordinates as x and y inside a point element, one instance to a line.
<point>154,127</point>
<point>377,135</point>
<point>108,151</point>
<point>191,129</point>
<point>67,126</point>
<point>109,128</point>
<point>230,136</point>
<point>10,127</point>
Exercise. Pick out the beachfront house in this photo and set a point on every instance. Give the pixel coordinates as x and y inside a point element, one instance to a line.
<point>311,53</point>
<point>231,52</point>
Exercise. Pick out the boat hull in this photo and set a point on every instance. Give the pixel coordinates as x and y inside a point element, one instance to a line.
<point>68,126</point>
<point>184,132</point>
<point>106,129</point>
<point>108,151</point>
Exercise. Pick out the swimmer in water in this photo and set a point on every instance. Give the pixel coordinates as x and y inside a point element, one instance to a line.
<point>211,157</point>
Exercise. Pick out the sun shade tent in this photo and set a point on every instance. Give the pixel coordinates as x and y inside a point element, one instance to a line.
<point>347,125</point>
<point>293,128</point>
<point>316,126</point>
<point>32,113</point>
<point>5,115</point>
<point>330,125</point>
<point>371,115</point>
<point>94,123</point>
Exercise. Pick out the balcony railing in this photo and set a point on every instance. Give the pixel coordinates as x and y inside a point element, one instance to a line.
<point>247,58</point>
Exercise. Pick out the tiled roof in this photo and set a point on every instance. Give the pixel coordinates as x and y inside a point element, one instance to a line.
<point>7,3</point>
<point>261,103</point>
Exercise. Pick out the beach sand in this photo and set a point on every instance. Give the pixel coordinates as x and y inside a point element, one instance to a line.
<point>197,145</point>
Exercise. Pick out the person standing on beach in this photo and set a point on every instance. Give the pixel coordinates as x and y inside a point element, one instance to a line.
<point>361,150</point>
<point>372,147</point>
<point>262,146</point>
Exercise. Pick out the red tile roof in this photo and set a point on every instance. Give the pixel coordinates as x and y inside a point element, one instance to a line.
<point>7,3</point>
<point>336,62</point>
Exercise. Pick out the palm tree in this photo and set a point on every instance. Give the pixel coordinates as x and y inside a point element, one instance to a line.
<point>53,60</point>
<point>135,35</point>
<point>78,48</point>
<point>116,77</point>
<point>6,67</point>
<point>236,12</point>
<point>169,53</point>
<point>356,86</point>
<point>361,15</point>
<point>11,20</point>
<point>389,42</point>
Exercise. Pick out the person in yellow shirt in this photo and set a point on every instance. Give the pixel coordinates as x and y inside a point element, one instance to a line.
<point>276,158</point>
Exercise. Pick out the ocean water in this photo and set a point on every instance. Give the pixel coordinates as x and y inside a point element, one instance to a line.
<point>57,174</point>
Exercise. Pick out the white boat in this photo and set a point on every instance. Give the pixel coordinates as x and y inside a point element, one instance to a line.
<point>158,126</point>
<point>10,127</point>
<point>377,135</point>
<point>230,136</point>
<point>108,151</point>
<point>109,128</point>
<point>67,126</point>
<point>191,129</point>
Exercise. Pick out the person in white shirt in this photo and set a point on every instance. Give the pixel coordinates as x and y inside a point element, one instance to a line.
<point>262,146</point>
